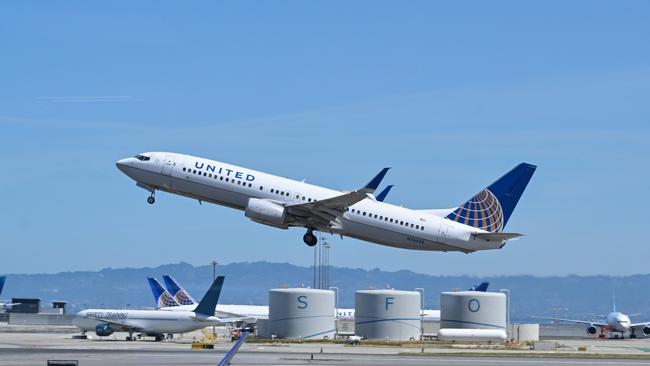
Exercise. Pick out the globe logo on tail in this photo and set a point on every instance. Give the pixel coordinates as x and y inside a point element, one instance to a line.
<point>482,211</point>
<point>166,300</point>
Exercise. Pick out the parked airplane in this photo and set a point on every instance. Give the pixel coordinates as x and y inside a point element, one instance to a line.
<point>615,323</point>
<point>283,203</point>
<point>5,304</point>
<point>153,322</point>
<point>482,287</point>
<point>165,301</point>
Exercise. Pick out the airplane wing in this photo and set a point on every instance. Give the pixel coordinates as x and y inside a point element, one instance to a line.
<point>596,324</point>
<point>497,236</point>
<point>322,213</point>
<point>635,325</point>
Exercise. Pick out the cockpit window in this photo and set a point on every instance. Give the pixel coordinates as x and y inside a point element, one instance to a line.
<point>142,158</point>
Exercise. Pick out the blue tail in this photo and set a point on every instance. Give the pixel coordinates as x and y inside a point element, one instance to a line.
<point>491,208</point>
<point>162,298</point>
<point>2,283</point>
<point>179,293</point>
<point>483,286</point>
<point>211,298</point>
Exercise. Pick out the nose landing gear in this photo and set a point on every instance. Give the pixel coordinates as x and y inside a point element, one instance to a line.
<point>151,199</point>
<point>309,238</point>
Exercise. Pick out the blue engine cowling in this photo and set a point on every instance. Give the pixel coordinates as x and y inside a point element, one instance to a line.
<point>104,330</point>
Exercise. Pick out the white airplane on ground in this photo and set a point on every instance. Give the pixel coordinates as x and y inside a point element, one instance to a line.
<point>283,203</point>
<point>176,298</point>
<point>5,304</point>
<point>154,322</point>
<point>615,323</point>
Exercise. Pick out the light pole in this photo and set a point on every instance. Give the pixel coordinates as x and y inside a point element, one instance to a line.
<point>421,291</point>
<point>336,307</point>
<point>214,277</point>
<point>507,293</point>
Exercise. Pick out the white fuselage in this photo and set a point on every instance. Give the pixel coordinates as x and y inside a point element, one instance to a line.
<point>618,321</point>
<point>148,321</point>
<point>233,186</point>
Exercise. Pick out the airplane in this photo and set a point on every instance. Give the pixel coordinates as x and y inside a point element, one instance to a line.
<point>280,202</point>
<point>482,287</point>
<point>4,304</point>
<point>168,302</point>
<point>615,322</point>
<point>153,322</point>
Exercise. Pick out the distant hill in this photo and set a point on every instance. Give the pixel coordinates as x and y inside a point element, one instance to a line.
<point>248,283</point>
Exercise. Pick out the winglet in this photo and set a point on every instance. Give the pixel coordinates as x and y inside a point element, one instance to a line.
<point>374,183</point>
<point>382,196</point>
<point>211,298</point>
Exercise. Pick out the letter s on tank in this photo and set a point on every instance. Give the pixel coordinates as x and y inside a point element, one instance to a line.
<point>302,299</point>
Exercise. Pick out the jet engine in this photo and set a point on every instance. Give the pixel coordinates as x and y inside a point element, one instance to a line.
<point>591,330</point>
<point>104,330</point>
<point>266,212</point>
<point>646,330</point>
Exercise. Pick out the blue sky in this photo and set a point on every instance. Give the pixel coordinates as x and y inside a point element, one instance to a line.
<point>450,94</point>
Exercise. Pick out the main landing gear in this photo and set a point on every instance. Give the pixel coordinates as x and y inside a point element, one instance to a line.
<point>309,238</point>
<point>152,199</point>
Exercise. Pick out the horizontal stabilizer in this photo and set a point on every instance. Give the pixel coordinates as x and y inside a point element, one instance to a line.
<point>497,236</point>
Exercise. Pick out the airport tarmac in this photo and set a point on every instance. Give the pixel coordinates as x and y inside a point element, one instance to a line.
<point>31,347</point>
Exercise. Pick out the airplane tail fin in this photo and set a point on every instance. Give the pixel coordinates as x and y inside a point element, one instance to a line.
<point>2,283</point>
<point>161,296</point>
<point>209,301</point>
<point>491,208</point>
<point>177,291</point>
<point>482,287</point>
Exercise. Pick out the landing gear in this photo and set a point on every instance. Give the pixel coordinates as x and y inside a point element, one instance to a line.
<point>309,238</point>
<point>151,199</point>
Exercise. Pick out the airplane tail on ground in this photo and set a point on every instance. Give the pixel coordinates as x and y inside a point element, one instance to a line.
<point>163,298</point>
<point>211,298</point>
<point>2,283</point>
<point>177,291</point>
<point>483,286</point>
<point>491,208</point>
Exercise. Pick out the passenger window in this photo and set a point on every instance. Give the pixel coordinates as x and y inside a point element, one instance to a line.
<point>364,213</point>
<point>239,182</point>
<point>205,174</point>
<point>401,222</point>
<point>381,217</point>
<point>385,218</point>
<point>417,227</point>
<point>272,190</point>
<point>422,228</point>
<point>261,188</point>
<point>227,180</point>
<point>411,225</point>
<point>221,178</point>
<point>194,172</point>
<point>391,220</point>
<point>282,193</point>
<point>309,200</point>
<point>250,185</point>
<point>375,216</point>
<point>183,169</point>
<point>353,210</point>
<point>303,198</point>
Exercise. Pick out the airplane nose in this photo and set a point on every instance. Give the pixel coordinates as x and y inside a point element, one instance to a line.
<point>122,164</point>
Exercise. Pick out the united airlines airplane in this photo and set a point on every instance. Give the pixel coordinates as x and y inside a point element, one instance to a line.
<point>283,203</point>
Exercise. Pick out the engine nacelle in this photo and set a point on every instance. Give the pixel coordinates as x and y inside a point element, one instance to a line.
<point>646,331</point>
<point>266,212</point>
<point>591,330</point>
<point>104,330</point>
